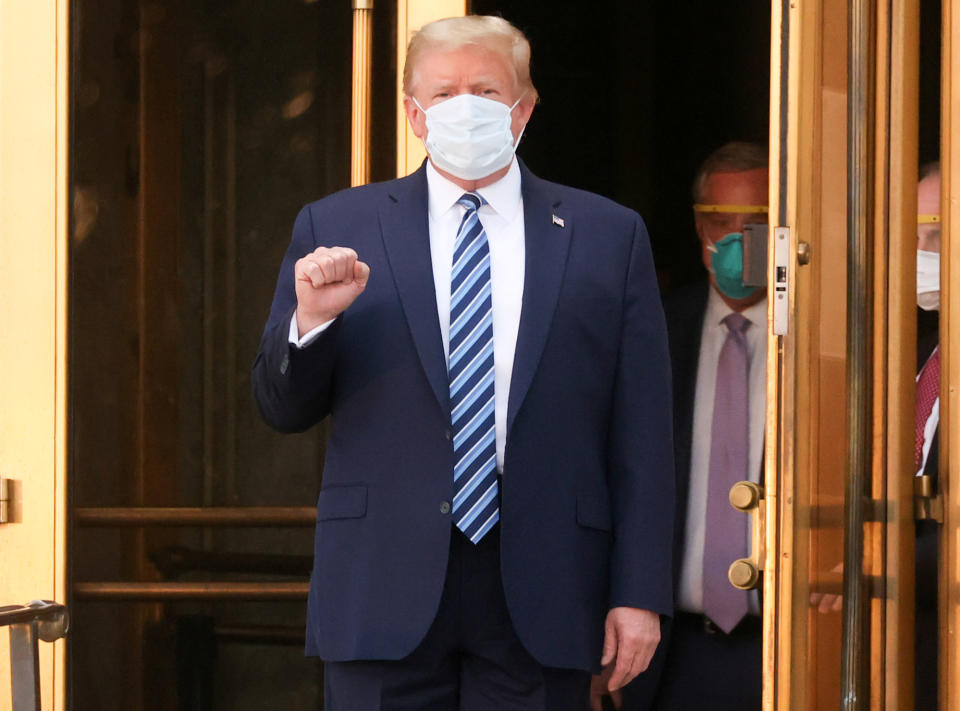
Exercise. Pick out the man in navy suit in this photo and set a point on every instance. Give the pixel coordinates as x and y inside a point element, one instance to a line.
<point>711,653</point>
<point>495,520</point>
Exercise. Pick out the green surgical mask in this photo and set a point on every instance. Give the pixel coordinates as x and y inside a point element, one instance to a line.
<point>726,262</point>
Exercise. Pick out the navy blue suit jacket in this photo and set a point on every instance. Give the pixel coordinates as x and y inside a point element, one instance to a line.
<point>685,309</point>
<point>587,489</point>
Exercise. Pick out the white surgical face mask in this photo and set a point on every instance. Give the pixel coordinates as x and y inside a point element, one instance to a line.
<point>928,280</point>
<point>469,136</point>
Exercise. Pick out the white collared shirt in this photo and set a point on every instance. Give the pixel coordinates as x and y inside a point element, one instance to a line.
<point>713,335</point>
<point>930,426</point>
<point>502,219</point>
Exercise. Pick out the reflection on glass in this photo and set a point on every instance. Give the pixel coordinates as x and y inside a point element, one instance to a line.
<point>199,130</point>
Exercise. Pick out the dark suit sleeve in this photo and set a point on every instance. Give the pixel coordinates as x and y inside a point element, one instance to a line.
<point>292,386</point>
<point>641,449</point>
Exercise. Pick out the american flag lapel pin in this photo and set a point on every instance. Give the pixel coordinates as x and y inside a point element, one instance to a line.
<point>558,220</point>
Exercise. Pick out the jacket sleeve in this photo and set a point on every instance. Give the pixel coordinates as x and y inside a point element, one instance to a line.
<point>292,386</point>
<point>640,445</point>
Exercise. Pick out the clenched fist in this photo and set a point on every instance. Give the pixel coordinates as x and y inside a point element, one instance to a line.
<point>328,280</point>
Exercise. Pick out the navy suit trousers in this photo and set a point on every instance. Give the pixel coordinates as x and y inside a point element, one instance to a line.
<point>470,659</point>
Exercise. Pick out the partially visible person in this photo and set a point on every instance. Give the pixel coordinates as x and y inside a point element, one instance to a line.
<point>710,657</point>
<point>926,450</point>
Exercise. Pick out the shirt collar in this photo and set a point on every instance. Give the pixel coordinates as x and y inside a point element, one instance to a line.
<point>717,310</point>
<point>502,196</point>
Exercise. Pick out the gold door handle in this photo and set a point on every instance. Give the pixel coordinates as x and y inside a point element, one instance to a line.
<point>928,505</point>
<point>744,573</point>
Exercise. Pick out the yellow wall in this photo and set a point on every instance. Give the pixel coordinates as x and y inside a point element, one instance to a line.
<point>33,228</point>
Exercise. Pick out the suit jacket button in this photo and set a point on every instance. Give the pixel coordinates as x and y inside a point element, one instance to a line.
<point>448,434</point>
<point>284,365</point>
<point>445,507</point>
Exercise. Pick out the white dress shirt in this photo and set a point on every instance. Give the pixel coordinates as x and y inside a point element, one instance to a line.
<point>930,426</point>
<point>502,219</point>
<point>712,337</point>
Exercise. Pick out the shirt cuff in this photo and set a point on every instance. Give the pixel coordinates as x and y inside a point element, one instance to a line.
<point>310,336</point>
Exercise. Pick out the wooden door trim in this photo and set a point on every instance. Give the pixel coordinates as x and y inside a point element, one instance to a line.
<point>949,360</point>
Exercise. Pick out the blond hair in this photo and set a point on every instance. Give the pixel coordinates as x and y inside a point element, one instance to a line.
<point>492,33</point>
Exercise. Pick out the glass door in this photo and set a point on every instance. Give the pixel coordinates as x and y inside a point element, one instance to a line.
<point>839,580</point>
<point>198,132</point>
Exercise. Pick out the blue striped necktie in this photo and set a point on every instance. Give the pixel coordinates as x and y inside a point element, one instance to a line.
<point>475,501</point>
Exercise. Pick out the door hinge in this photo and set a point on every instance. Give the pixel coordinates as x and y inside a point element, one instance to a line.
<point>927,506</point>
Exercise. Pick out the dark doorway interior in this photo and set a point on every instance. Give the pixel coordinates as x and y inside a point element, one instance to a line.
<point>634,95</point>
<point>929,116</point>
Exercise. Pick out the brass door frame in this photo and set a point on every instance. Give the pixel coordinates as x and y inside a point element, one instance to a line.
<point>782,351</point>
<point>949,592</point>
<point>361,92</point>
<point>889,553</point>
<point>861,173</point>
<point>806,95</point>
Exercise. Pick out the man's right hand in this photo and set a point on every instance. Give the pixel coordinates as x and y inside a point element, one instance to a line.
<point>328,280</point>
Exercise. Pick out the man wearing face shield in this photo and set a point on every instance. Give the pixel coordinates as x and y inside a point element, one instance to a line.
<point>495,520</point>
<point>711,653</point>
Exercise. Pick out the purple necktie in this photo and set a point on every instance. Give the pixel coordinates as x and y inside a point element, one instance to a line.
<point>725,539</point>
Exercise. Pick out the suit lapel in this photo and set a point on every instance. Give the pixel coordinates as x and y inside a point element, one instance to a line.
<point>406,239</point>
<point>547,231</point>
